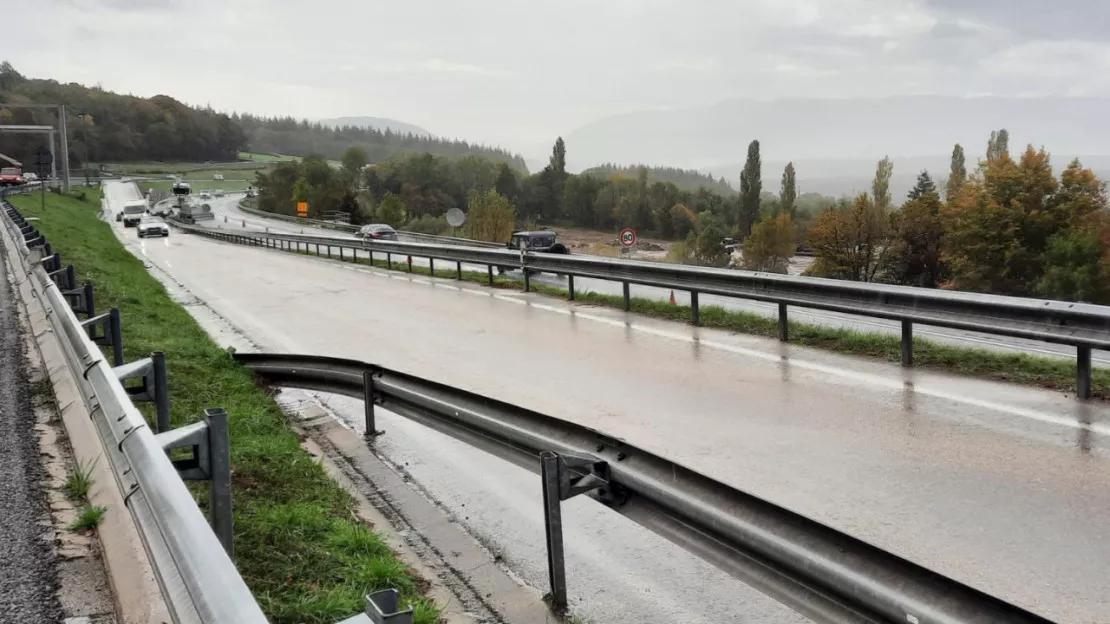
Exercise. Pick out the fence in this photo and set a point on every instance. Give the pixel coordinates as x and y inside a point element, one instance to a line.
<point>1083,326</point>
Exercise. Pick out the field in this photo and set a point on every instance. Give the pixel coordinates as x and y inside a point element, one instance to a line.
<point>197,185</point>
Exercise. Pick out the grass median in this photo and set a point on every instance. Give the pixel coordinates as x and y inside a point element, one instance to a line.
<point>297,542</point>
<point>1021,368</point>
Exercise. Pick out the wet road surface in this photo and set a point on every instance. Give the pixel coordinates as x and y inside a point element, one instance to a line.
<point>1002,487</point>
<point>236,220</point>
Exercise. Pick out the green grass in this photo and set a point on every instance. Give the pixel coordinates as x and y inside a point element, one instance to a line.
<point>297,543</point>
<point>197,185</point>
<point>79,481</point>
<point>88,519</point>
<point>1020,368</point>
<point>266,157</point>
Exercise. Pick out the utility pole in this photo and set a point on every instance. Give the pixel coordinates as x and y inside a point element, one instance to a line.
<point>65,147</point>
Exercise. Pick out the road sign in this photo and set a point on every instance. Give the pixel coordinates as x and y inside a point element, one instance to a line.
<point>455,217</point>
<point>302,209</point>
<point>43,158</point>
<point>628,237</point>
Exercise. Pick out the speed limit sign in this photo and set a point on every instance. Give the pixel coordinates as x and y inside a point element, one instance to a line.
<point>628,237</point>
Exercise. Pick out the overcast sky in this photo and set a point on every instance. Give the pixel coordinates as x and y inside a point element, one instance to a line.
<point>519,72</point>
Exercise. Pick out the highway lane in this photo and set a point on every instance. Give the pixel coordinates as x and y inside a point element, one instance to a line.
<point>228,207</point>
<point>1003,487</point>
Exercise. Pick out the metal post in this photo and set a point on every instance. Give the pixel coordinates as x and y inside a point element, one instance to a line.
<point>161,391</point>
<point>489,270</point>
<point>90,305</point>
<point>1083,372</point>
<point>695,317</point>
<point>784,327</point>
<point>527,281</point>
<point>553,526</point>
<point>64,127</point>
<point>458,271</point>
<point>432,267</point>
<point>116,329</point>
<point>71,277</point>
<point>410,264</point>
<point>570,288</point>
<point>368,404</point>
<point>907,343</point>
<point>627,297</point>
<point>329,251</point>
<point>389,261</point>
<point>370,252</point>
<point>219,474</point>
<point>341,253</point>
<point>317,249</point>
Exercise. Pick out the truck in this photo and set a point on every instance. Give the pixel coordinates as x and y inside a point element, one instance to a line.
<point>133,211</point>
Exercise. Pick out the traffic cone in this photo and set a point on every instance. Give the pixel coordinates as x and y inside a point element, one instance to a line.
<point>672,298</point>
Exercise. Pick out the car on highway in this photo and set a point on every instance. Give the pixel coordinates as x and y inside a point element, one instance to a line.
<point>377,231</point>
<point>153,226</point>
<point>11,176</point>
<point>133,212</point>
<point>218,193</point>
<point>205,196</point>
<point>543,241</point>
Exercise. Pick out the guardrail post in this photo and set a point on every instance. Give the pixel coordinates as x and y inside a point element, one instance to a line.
<point>527,280</point>
<point>458,271</point>
<point>489,271</point>
<point>1083,372</point>
<point>369,396</point>
<point>116,331</point>
<point>341,253</point>
<point>329,251</point>
<point>389,261</point>
<point>219,471</point>
<point>784,327</point>
<point>317,249</point>
<point>410,263</point>
<point>570,288</point>
<point>907,343</point>
<point>695,316</point>
<point>627,297</point>
<point>553,527</point>
<point>564,476</point>
<point>431,266</point>
<point>161,391</point>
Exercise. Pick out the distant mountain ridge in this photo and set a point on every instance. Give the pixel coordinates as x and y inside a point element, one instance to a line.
<point>711,138</point>
<point>378,123</point>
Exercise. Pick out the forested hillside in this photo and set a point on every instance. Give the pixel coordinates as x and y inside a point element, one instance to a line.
<point>685,179</point>
<point>111,127</point>
<point>287,135</point>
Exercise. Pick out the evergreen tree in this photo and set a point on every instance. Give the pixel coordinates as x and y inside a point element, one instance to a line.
<point>506,183</point>
<point>998,145</point>
<point>880,186</point>
<point>751,185</point>
<point>924,185</point>
<point>789,193</point>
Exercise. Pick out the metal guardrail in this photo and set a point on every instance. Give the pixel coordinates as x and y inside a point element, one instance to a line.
<point>191,559</point>
<point>822,573</point>
<point>1084,326</point>
<point>333,225</point>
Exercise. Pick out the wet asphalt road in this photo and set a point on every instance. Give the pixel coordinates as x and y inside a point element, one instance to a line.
<point>1002,487</point>
<point>239,220</point>
<point>28,580</point>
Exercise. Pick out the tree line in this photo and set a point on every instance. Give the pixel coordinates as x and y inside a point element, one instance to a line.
<point>106,126</point>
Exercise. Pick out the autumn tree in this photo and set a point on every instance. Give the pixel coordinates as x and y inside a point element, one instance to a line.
<point>751,186</point>
<point>789,193</point>
<point>771,245</point>
<point>848,240</point>
<point>913,255</point>
<point>491,217</point>
<point>957,173</point>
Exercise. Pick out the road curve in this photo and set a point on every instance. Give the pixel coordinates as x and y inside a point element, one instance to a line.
<point>227,208</point>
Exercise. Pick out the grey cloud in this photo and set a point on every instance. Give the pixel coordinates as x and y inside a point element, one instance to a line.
<point>1075,19</point>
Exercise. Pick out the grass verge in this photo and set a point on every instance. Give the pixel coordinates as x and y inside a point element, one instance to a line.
<point>297,544</point>
<point>80,481</point>
<point>1020,368</point>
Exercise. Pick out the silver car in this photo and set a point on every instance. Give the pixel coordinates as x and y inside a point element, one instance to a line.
<point>153,226</point>
<point>377,231</point>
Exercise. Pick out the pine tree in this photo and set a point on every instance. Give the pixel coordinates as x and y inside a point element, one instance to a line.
<point>751,185</point>
<point>559,157</point>
<point>506,183</point>
<point>924,185</point>
<point>957,174</point>
<point>789,193</point>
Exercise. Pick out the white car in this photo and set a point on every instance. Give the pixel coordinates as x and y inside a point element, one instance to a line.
<point>218,176</point>
<point>153,226</point>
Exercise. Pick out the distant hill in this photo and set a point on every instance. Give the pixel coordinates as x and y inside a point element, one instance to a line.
<point>685,179</point>
<point>713,138</point>
<point>115,127</point>
<point>286,135</point>
<point>378,123</point>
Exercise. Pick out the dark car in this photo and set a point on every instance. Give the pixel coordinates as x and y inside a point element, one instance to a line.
<point>543,241</point>
<point>377,231</point>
